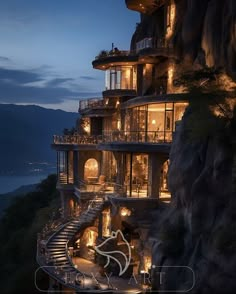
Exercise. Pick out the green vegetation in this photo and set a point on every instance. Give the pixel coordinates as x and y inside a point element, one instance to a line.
<point>26,217</point>
<point>212,102</point>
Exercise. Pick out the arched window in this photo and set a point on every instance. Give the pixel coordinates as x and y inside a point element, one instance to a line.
<point>91,169</point>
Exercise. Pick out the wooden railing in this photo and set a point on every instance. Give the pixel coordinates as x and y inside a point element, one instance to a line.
<point>138,136</point>
<point>76,139</point>
<point>92,190</point>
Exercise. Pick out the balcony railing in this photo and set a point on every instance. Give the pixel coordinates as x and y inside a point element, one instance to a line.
<point>76,139</point>
<point>158,44</point>
<point>96,103</point>
<point>138,137</point>
<point>114,52</point>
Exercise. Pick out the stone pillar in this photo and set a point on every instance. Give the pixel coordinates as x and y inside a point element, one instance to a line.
<point>121,168</point>
<point>76,168</point>
<point>155,162</point>
<point>105,164</point>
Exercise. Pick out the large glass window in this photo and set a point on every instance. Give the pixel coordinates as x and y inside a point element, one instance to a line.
<point>137,175</point>
<point>154,122</point>
<point>121,77</point>
<point>65,167</point>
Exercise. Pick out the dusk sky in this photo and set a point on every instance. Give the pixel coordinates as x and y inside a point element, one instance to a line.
<point>47,47</point>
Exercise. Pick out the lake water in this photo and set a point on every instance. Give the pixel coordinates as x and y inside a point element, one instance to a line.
<point>10,183</point>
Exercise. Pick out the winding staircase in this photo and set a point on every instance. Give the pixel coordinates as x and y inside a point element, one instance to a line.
<point>53,256</point>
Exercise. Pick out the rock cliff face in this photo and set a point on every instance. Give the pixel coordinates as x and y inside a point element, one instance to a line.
<point>204,30</point>
<point>195,237</point>
<point>198,231</point>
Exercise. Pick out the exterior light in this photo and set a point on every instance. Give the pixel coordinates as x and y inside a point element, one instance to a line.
<point>125,211</point>
<point>91,239</point>
<point>153,122</point>
<point>147,263</point>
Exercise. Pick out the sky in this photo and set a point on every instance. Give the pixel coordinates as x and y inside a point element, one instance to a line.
<point>47,48</point>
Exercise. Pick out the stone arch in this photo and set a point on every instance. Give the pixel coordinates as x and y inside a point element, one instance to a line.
<point>84,156</point>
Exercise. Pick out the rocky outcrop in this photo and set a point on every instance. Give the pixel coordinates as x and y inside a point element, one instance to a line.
<point>198,232</point>
<point>204,31</point>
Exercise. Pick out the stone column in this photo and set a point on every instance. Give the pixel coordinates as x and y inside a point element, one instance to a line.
<point>75,168</point>
<point>155,162</point>
<point>121,168</point>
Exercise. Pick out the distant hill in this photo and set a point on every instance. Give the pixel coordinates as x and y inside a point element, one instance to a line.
<point>6,199</point>
<point>26,134</point>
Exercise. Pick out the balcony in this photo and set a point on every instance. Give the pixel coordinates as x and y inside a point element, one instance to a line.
<point>75,142</point>
<point>96,107</point>
<point>136,141</point>
<point>107,59</point>
<point>155,47</point>
<point>137,137</point>
<point>144,6</point>
<point>90,191</point>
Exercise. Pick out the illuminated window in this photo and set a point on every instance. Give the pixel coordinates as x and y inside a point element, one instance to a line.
<point>91,169</point>
<point>121,77</point>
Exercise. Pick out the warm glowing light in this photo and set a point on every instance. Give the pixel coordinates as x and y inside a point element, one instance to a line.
<point>91,239</point>
<point>125,211</point>
<point>119,124</point>
<point>153,122</point>
<point>117,103</point>
<point>171,12</point>
<point>91,168</point>
<point>86,125</point>
<point>106,224</point>
<point>170,79</point>
<point>147,263</point>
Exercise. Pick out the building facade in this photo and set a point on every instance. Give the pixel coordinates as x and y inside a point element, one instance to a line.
<point>112,169</point>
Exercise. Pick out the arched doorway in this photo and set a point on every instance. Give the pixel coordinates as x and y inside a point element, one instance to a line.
<point>91,170</point>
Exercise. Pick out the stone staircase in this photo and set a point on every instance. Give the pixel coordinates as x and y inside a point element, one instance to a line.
<point>58,263</point>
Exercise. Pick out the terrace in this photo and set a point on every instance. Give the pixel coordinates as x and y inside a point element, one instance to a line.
<point>144,6</point>
<point>95,106</point>
<point>105,58</point>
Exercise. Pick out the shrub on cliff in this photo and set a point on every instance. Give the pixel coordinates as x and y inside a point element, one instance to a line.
<point>18,236</point>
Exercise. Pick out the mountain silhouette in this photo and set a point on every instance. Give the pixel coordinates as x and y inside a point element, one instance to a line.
<point>26,134</point>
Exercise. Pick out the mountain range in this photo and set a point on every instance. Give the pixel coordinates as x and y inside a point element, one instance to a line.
<point>26,135</point>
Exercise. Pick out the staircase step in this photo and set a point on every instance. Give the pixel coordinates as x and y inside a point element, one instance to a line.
<point>58,243</point>
<point>60,239</point>
<point>56,251</point>
<point>63,258</point>
<point>56,256</point>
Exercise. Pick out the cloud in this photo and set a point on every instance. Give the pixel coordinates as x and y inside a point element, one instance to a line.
<point>58,82</point>
<point>29,86</point>
<point>3,58</point>
<point>19,76</point>
<point>87,78</point>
